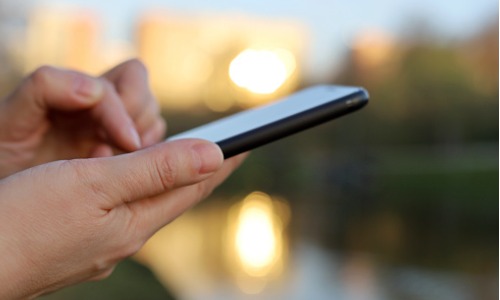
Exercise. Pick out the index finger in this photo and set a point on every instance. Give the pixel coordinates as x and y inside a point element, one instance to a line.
<point>132,85</point>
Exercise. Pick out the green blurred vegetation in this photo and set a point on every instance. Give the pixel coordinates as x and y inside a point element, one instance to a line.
<point>130,281</point>
<point>411,179</point>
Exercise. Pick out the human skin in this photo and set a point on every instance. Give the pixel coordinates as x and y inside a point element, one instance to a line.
<point>63,114</point>
<point>69,210</point>
<point>70,221</point>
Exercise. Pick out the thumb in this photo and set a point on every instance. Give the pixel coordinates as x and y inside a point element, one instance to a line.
<point>50,87</point>
<point>152,171</point>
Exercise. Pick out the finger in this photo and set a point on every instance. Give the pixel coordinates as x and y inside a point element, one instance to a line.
<point>149,172</point>
<point>115,120</point>
<point>148,116</point>
<point>49,88</point>
<point>155,212</point>
<point>131,82</point>
<point>101,150</point>
<point>154,134</point>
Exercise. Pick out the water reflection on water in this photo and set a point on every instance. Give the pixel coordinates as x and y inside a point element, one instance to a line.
<point>315,273</point>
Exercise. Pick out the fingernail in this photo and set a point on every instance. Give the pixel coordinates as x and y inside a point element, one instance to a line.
<point>135,137</point>
<point>88,87</point>
<point>209,157</point>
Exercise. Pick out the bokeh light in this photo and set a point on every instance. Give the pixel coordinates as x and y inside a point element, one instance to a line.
<point>261,71</point>
<point>398,201</point>
<point>256,235</point>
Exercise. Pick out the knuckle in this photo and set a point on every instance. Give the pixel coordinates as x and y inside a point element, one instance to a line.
<point>83,172</point>
<point>39,77</point>
<point>137,65</point>
<point>166,172</point>
<point>76,168</point>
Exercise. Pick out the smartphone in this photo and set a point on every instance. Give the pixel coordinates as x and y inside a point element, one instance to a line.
<point>255,127</point>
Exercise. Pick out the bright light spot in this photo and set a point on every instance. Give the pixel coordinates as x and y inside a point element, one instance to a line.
<point>261,71</point>
<point>256,236</point>
<point>255,239</point>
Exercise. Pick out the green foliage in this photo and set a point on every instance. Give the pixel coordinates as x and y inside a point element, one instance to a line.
<point>130,281</point>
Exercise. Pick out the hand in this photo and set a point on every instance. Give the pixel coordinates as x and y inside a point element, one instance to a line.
<point>69,221</point>
<point>60,114</point>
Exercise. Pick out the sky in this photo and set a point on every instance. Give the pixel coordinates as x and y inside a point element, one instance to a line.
<point>333,23</point>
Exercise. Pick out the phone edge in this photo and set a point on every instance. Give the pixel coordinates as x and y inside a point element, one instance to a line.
<point>293,124</point>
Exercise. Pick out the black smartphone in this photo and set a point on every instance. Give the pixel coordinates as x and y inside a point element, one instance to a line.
<point>255,127</point>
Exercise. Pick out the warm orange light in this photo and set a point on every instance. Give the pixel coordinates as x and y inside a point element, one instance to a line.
<point>257,246</point>
<point>262,71</point>
<point>255,236</point>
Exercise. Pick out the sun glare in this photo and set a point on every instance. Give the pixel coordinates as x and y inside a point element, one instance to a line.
<point>255,240</point>
<point>261,71</point>
<point>256,236</point>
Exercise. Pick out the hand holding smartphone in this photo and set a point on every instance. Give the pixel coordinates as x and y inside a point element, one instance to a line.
<point>255,127</point>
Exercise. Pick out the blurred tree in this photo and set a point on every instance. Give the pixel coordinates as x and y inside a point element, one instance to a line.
<point>481,54</point>
<point>435,94</point>
<point>413,178</point>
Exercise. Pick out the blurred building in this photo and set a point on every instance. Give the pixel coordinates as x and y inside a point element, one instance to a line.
<point>70,38</point>
<point>66,38</point>
<point>219,60</point>
<point>214,61</point>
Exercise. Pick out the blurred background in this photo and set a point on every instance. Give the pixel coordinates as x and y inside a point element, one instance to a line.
<point>397,201</point>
